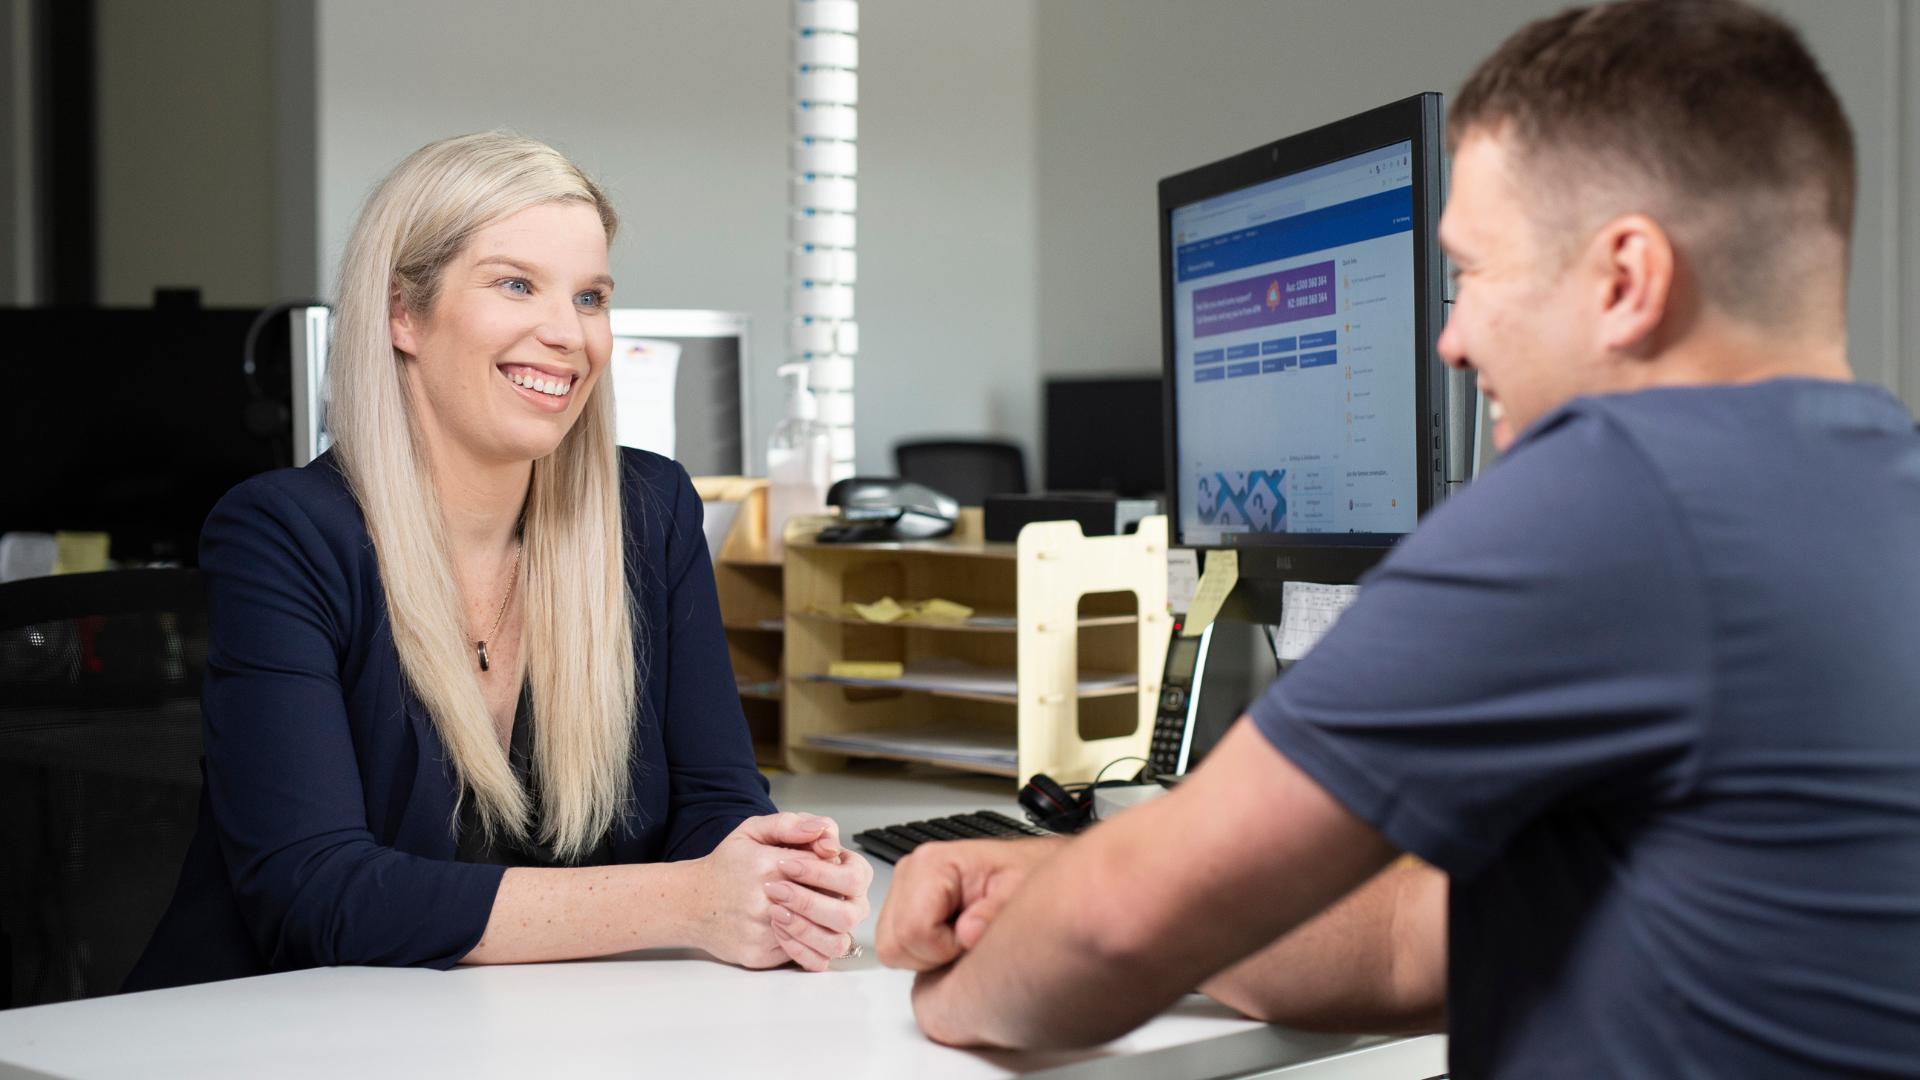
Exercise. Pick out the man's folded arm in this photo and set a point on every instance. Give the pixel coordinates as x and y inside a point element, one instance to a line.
<point>1374,962</point>
<point>1147,906</point>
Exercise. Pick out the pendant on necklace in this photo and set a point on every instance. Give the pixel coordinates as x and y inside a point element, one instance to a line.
<point>481,648</point>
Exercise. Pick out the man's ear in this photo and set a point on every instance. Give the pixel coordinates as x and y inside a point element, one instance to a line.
<point>1635,257</point>
<point>402,324</point>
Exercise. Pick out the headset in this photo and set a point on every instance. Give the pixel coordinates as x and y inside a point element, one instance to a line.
<point>1068,808</point>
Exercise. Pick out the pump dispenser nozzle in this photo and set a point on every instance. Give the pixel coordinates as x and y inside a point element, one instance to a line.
<point>800,401</point>
<point>799,458</point>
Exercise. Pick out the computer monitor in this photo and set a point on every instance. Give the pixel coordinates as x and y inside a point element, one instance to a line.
<point>680,380</point>
<point>1105,433</point>
<point>163,421</point>
<point>1310,421</point>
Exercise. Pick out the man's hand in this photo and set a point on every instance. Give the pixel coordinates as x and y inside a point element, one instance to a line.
<point>1080,955</point>
<point>944,895</point>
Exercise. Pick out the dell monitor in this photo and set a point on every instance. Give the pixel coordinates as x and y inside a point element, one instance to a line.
<point>1310,422</point>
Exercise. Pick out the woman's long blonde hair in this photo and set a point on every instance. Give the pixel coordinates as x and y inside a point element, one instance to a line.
<point>579,627</point>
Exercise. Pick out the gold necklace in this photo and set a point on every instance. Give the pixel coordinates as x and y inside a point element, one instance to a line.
<point>480,647</point>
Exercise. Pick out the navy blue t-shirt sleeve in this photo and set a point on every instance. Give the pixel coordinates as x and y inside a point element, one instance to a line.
<point>1538,642</point>
<point>713,784</point>
<point>283,778</point>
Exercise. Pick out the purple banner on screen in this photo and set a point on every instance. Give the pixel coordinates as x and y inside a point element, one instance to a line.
<point>1301,293</point>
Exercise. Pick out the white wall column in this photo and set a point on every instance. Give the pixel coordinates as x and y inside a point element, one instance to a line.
<point>821,264</point>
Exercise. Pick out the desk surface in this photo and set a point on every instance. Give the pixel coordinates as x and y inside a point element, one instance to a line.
<point>666,1013</point>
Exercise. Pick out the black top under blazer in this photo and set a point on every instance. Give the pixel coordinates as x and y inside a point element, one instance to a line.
<point>326,817</point>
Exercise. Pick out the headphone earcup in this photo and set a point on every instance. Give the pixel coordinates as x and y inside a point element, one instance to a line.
<point>1052,808</point>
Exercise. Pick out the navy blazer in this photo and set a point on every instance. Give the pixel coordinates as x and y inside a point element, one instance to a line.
<point>326,829</point>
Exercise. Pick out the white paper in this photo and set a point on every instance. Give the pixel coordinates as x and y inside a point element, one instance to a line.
<point>1309,610</point>
<point>1183,578</point>
<point>644,374</point>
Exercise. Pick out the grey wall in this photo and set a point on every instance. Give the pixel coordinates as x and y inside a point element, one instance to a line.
<point>681,109</point>
<point>15,133</point>
<point>296,168</point>
<point>1130,91</point>
<point>186,150</point>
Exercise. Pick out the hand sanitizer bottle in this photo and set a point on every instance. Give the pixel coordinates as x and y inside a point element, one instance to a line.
<point>799,460</point>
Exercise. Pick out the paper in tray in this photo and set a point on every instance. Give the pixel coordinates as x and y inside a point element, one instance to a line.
<point>959,677</point>
<point>934,744</point>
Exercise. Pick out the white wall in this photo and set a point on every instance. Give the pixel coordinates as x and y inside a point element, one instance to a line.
<point>681,110</point>
<point>1134,90</point>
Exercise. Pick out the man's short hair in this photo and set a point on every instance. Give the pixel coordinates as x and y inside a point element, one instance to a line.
<point>1713,111</point>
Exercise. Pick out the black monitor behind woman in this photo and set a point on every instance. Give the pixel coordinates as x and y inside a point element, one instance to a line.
<point>468,698</point>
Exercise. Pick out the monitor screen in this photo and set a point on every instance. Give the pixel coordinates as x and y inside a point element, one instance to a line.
<point>1302,297</point>
<point>166,422</point>
<point>681,387</point>
<point>1293,332</point>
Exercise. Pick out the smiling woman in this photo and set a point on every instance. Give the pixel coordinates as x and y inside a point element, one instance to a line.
<point>468,697</point>
<point>525,301</point>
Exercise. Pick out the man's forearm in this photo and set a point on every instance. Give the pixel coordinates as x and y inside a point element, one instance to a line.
<point>1374,962</point>
<point>1034,979</point>
<point>1148,905</point>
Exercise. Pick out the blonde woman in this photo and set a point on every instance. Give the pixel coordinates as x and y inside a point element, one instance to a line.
<point>468,700</point>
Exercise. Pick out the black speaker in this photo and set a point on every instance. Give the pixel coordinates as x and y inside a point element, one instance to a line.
<point>1098,515</point>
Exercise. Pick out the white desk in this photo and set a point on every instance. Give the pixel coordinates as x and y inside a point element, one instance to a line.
<point>662,1014</point>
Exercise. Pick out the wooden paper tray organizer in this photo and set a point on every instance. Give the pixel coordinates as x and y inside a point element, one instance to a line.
<point>1052,609</point>
<point>749,585</point>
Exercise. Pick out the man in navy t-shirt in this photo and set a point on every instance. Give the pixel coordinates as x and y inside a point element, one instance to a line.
<point>1645,699</point>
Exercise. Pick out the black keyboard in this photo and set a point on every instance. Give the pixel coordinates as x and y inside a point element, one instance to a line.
<point>894,841</point>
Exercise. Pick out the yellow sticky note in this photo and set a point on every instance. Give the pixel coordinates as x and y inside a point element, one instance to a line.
<point>1223,570</point>
<point>941,611</point>
<point>883,610</point>
<point>866,669</point>
<point>80,552</point>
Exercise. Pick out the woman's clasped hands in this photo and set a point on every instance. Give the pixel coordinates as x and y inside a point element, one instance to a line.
<point>778,888</point>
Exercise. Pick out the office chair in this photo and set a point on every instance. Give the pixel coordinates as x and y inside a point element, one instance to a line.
<point>99,771</point>
<point>967,469</point>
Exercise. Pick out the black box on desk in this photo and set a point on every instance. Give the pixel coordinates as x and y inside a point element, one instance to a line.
<point>1098,515</point>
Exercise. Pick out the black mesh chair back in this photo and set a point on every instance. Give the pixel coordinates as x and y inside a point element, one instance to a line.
<point>967,469</point>
<point>99,771</point>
